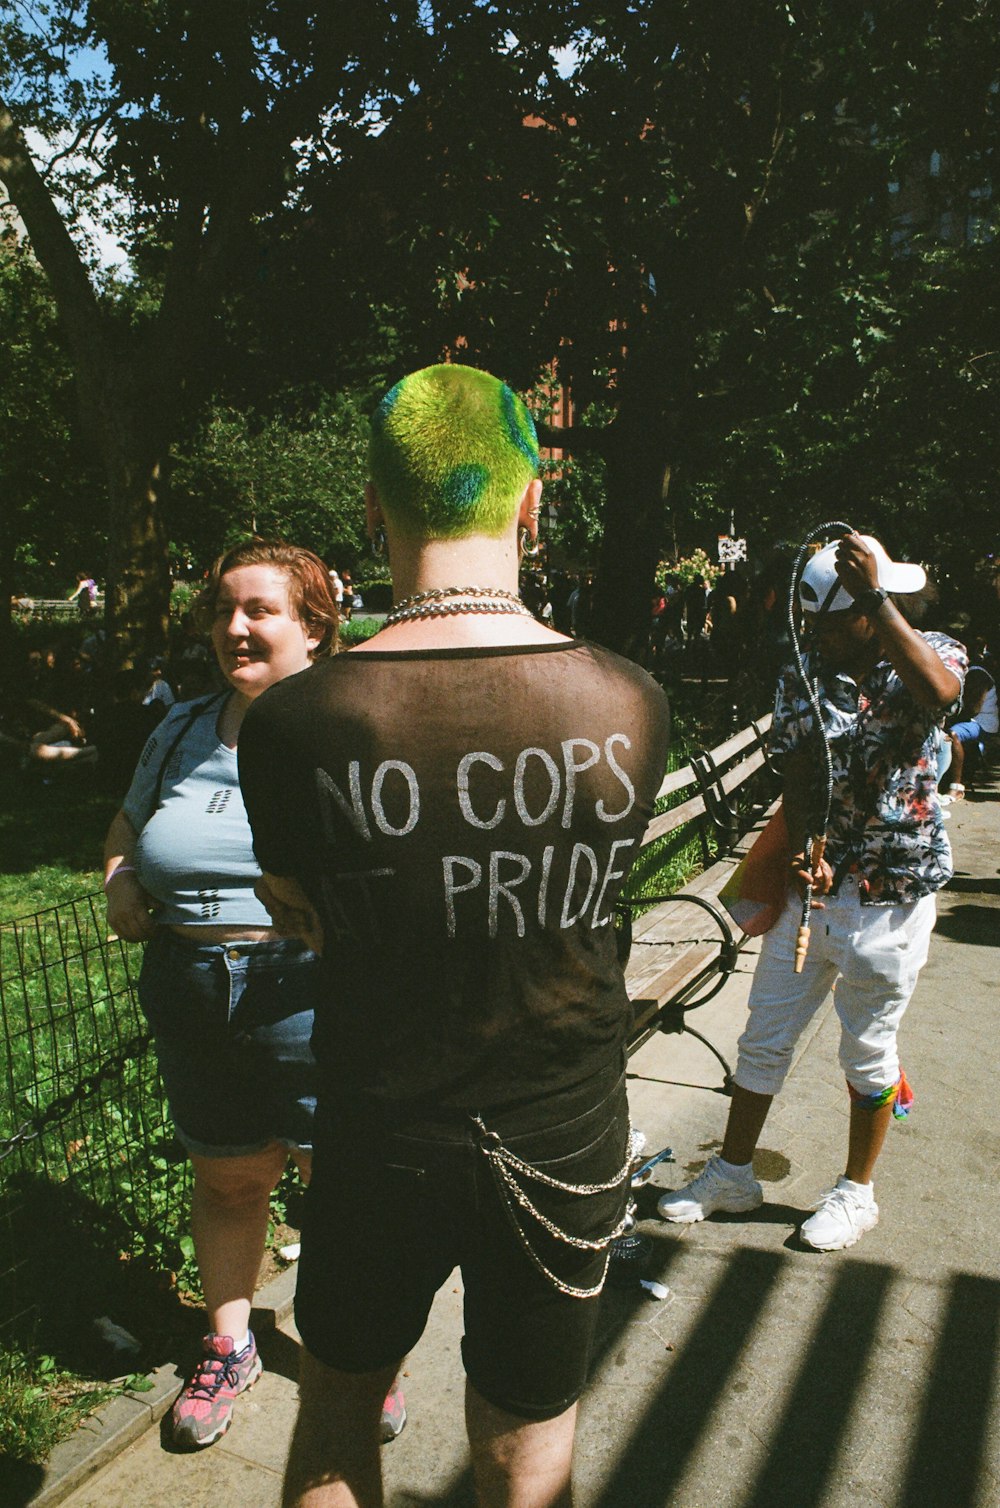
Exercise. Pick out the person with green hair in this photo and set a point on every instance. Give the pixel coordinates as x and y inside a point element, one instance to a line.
<point>451,450</point>
<point>448,813</point>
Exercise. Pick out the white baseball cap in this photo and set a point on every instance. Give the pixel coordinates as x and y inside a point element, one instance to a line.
<point>819,578</point>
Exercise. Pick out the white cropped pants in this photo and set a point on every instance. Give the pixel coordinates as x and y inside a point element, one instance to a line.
<point>870,956</point>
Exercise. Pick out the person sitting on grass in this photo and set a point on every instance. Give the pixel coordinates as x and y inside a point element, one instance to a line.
<point>45,740</point>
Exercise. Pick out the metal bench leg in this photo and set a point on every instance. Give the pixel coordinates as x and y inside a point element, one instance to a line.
<point>727,1072</point>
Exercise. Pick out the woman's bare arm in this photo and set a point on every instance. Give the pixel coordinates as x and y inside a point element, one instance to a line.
<point>127,902</point>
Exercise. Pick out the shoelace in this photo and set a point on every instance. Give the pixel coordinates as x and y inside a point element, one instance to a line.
<point>217,1371</point>
<point>710,1175</point>
<point>842,1198</point>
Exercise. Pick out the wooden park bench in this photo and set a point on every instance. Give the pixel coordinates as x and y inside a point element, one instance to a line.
<point>56,609</point>
<point>679,950</point>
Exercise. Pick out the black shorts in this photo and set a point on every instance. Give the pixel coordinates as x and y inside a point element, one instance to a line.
<point>393,1208</point>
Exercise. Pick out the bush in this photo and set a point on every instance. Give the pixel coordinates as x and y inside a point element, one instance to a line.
<point>182,597</point>
<point>357,631</point>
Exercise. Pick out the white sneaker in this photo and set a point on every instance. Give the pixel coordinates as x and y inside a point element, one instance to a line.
<point>843,1214</point>
<point>720,1187</point>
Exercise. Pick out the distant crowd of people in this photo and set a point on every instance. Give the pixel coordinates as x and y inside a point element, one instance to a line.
<point>62,709</point>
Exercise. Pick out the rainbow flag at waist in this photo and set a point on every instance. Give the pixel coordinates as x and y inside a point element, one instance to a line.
<point>755,893</point>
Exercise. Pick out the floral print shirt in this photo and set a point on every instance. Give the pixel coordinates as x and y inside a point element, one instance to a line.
<point>885,817</point>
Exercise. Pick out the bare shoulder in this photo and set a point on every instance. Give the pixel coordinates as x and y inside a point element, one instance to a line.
<point>461,633</point>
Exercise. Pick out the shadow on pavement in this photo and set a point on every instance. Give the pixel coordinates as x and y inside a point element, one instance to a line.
<point>654,1461</point>
<point>279,1352</point>
<point>979,925</point>
<point>945,1463</point>
<point>803,1450</point>
<point>947,1460</point>
<point>973,886</point>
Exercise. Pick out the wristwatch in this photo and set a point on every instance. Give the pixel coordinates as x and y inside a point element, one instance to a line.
<point>871,601</point>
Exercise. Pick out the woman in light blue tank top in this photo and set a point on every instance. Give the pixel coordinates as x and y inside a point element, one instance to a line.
<point>230,1003</point>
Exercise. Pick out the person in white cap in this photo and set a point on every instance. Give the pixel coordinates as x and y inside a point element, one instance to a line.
<point>881,686</point>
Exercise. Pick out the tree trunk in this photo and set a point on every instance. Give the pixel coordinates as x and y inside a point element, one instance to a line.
<point>137,599</point>
<point>7,584</point>
<point>129,411</point>
<point>129,393</point>
<point>633,528</point>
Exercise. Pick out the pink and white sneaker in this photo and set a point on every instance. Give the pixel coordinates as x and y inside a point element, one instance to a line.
<point>204,1410</point>
<point>393,1414</point>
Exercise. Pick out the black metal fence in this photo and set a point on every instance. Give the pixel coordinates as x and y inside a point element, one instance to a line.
<point>90,1178</point>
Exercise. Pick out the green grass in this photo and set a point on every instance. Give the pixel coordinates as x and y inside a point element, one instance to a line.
<point>51,840</point>
<point>666,864</point>
<point>103,1172</point>
<point>40,1404</point>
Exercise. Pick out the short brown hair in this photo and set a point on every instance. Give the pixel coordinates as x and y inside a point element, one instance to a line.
<point>309,590</point>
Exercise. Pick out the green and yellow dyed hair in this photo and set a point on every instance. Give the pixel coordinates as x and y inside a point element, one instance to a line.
<point>451,452</point>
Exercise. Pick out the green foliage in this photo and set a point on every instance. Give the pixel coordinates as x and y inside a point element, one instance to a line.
<point>698,563</point>
<point>666,864</point>
<point>30,1423</point>
<point>358,630</point>
<point>724,239</point>
<point>188,128</point>
<point>51,521</point>
<point>575,487</point>
<point>699,236</point>
<point>41,1403</point>
<point>372,572</point>
<point>297,472</point>
<point>183,594</point>
<point>28,1427</point>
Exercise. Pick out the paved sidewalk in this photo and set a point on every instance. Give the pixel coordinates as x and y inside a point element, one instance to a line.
<point>772,1377</point>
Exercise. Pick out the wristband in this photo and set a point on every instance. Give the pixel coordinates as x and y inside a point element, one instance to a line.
<point>870,602</point>
<point>122,869</point>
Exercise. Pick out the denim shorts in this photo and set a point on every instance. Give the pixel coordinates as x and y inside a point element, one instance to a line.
<point>967,733</point>
<point>397,1202</point>
<point>233,1024</point>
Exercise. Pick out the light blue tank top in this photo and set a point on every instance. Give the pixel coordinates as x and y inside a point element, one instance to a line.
<point>195,850</point>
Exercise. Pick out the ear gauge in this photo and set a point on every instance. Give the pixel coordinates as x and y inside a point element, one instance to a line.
<point>527,548</point>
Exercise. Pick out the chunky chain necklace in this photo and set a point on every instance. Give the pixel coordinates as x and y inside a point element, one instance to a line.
<point>436,604</point>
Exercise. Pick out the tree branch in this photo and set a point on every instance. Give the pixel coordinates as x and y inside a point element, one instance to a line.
<point>777,139</point>
<point>88,128</point>
<point>53,246</point>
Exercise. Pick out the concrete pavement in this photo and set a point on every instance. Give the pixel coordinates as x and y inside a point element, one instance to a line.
<point>771,1375</point>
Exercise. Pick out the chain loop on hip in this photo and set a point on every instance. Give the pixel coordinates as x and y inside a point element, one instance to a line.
<point>503,1166</point>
